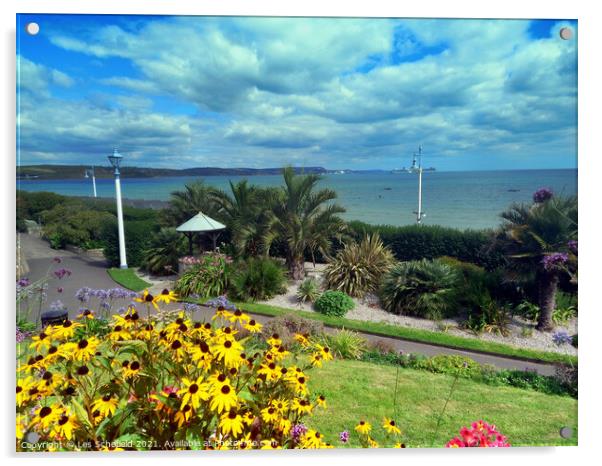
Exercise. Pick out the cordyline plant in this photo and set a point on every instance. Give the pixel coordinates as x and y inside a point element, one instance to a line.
<point>164,385</point>
<point>540,241</point>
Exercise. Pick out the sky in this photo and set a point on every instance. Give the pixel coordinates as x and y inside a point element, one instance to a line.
<point>178,92</point>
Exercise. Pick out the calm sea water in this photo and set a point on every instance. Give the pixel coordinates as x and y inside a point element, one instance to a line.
<point>456,199</point>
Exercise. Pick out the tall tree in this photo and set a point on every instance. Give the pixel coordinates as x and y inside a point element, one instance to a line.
<point>184,204</point>
<point>307,219</point>
<point>540,240</point>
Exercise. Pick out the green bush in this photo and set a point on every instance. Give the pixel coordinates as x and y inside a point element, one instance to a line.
<point>309,290</point>
<point>72,224</point>
<point>358,268</point>
<point>416,242</point>
<point>210,278</point>
<point>425,288</point>
<point>344,344</point>
<point>287,325</point>
<point>451,364</point>
<point>166,247</point>
<point>334,303</point>
<point>138,234</point>
<point>258,279</point>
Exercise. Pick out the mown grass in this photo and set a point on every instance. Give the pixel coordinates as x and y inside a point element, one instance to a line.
<point>128,279</point>
<point>357,390</point>
<point>413,334</point>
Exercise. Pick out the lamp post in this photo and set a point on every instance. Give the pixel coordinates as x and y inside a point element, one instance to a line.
<point>90,173</point>
<point>419,213</point>
<point>115,160</point>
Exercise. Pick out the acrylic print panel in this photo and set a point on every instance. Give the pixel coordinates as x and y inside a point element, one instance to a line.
<point>198,196</point>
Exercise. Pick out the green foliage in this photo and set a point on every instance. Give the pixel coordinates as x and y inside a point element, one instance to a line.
<point>25,325</point>
<point>334,303</point>
<point>527,310</point>
<point>71,223</point>
<point>166,247</point>
<point>358,268</point>
<point>562,316</point>
<point>344,344</point>
<point>258,279</point>
<point>306,218</point>
<point>563,383</point>
<point>415,242</point>
<point>248,214</point>
<point>185,204</point>
<point>208,279</point>
<point>31,204</point>
<point>285,326</point>
<point>93,327</point>
<point>308,291</point>
<point>138,234</point>
<point>423,288</point>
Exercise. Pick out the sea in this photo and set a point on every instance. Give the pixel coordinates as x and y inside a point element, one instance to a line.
<point>471,199</point>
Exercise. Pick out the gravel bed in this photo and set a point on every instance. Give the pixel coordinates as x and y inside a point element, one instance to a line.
<point>368,309</point>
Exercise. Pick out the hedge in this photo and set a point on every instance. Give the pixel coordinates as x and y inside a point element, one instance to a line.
<point>415,242</point>
<point>137,240</point>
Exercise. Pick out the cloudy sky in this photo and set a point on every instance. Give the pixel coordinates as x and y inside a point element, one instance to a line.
<point>265,92</point>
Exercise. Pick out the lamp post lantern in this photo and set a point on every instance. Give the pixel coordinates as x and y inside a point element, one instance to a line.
<point>90,173</point>
<point>115,160</point>
<point>418,169</point>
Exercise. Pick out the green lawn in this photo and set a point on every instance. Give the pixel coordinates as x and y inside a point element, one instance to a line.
<point>414,334</point>
<point>128,279</point>
<point>357,390</point>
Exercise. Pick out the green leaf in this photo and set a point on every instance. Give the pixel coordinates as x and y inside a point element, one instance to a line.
<point>81,413</point>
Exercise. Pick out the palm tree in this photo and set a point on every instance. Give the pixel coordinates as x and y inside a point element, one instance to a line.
<point>249,216</point>
<point>166,246</point>
<point>306,219</point>
<point>185,204</point>
<point>538,241</point>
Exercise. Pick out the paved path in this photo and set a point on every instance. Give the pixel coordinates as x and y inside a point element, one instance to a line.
<point>92,273</point>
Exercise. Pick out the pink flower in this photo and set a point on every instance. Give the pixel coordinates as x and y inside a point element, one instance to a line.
<point>481,434</point>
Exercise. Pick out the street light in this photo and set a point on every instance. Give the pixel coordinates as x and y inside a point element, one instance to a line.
<point>418,169</point>
<point>90,173</point>
<point>115,160</point>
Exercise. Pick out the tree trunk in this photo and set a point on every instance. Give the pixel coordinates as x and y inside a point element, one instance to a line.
<point>296,267</point>
<point>547,283</point>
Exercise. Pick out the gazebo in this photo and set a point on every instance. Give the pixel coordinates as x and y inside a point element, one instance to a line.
<point>201,223</point>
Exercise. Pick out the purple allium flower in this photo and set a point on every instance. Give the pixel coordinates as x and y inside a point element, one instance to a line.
<point>554,260</point>
<point>190,307</point>
<point>344,436</point>
<point>57,305</point>
<point>83,294</point>
<point>221,301</point>
<point>62,272</point>
<point>542,195</point>
<point>23,282</point>
<point>297,431</point>
<point>562,337</point>
<point>572,244</point>
<point>21,335</point>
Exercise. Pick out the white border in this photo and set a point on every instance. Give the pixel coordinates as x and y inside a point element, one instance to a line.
<point>589,167</point>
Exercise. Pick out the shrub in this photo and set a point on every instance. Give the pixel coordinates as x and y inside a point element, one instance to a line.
<point>358,267</point>
<point>451,364</point>
<point>166,247</point>
<point>415,242</point>
<point>334,303</point>
<point>344,343</point>
<point>259,279</point>
<point>422,288</point>
<point>562,315</point>
<point>138,234</point>
<point>211,277</point>
<point>528,310</point>
<point>309,290</point>
<point>286,326</point>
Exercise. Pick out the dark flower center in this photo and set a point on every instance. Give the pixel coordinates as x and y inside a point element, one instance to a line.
<point>83,370</point>
<point>67,323</point>
<point>47,375</point>
<point>135,366</point>
<point>301,379</point>
<point>165,291</point>
<point>135,316</point>
<point>225,389</point>
<point>228,344</point>
<point>204,347</point>
<point>232,415</point>
<point>186,408</point>
<point>176,345</point>
<point>149,298</point>
<point>252,322</point>
<point>19,389</point>
<point>118,328</point>
<point>43,335</point>
<point>107,397</point>
<point>392,423</point>
<point>52,350</point>
<point>63,420</point>
<point>193,388</point>
<point>179,321</point>
<point>125,363</point>
<point>69,391</point>
<point>183,328</point>
<point>82,344</point>
<point>207,326</point>
<point>221,377</point>
<point>238,313</point>
<point>45,411</point>
<point>33,391</point>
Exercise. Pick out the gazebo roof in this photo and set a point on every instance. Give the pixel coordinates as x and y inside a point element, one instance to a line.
<point>200,222</point>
